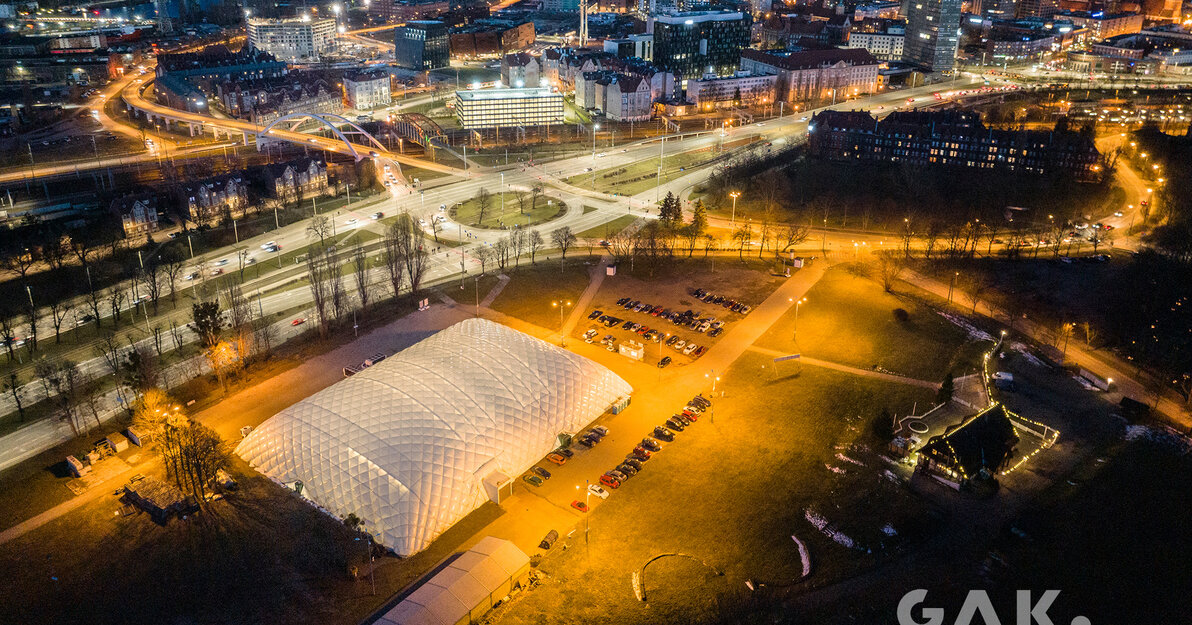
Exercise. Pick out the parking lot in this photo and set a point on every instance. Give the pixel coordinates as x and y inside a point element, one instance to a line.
<point>683,331</point>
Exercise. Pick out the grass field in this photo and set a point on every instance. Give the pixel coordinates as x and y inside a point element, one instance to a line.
<point>531,290</point>
<point>705,496</point>
<point>642,175</point>
<point>506,211</point>
<point>608,229</point>
<point>850,320</point>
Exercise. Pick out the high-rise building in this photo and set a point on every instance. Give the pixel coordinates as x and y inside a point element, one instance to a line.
<point>1038,8</point>
<point>694,44</point>
<point>422,45</point>
<point>292,39</point>
<point>932,34</point>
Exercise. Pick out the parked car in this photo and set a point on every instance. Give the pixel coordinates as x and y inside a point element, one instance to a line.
<point>610,482</point>
<point>622,301</point>
<point>671,341</point>
<point>679,345</point>
<point>616,475</point>
<point>701,401</point>
<point>566,453</point>
<point>666,360</point>
<point>673,424</point>
<point>586,442</point>
<point>640,453</point>
<point>532,480</point>
<point>650,444</point>
<point>542,472</point>
<point>699,352</point>
<point>600,429</point>
<point>558,459</point>
<point>681,419</point>
<point>662,433</point>
<point>595,314</point>
<point>596,490</point>
<point>691,347</point>
<point>579,505</point>
<point>627,470</point>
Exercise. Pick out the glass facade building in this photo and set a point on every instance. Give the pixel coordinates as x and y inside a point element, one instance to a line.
<point>932,34</point>
<point>422,45</point>
<point>693,44</point>
<point>508,108</point>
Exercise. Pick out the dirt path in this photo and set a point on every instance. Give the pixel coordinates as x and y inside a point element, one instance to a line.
<point>866,373</point>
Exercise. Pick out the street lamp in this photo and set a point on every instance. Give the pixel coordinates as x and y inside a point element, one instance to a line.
<point>797,304</point>
<point>735,195</point>
<point>561,305</point>
<point>952,285</point>
<point>595,127</point>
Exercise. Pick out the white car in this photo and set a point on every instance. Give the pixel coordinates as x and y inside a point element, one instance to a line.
<point>601,155</point>
<point>596,490</point>
<point>222,262</point>
<point>351,222</point>
<point>268,245</point>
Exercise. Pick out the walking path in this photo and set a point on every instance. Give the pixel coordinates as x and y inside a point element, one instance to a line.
<point>95,492</point>
<point>1103,364</point>
<point>585,298</point>
<point>877,375</point>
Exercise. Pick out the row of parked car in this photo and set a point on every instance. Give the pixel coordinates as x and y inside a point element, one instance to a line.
<point>708,297</point>
<point>634,461</point>
<point>538,475</point>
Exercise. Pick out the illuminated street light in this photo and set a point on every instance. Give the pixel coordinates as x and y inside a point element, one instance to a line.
<point>561,305</point>
<point>734,195</point>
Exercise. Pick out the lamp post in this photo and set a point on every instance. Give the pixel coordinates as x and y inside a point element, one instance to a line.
<point>595,127</point>
<point>734,195</point>
<point>561,305</point>
<point>797,304</point>
<point>712,408</point>
<point>952,285</point>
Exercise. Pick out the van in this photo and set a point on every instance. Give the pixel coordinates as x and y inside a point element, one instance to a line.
<point>548,541</point>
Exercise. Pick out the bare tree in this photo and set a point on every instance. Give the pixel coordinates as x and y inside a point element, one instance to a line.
<point>931,237</point>
<point>13,385</point>
<point>116,299</point>
<point>1090,332</point>
<point>316,275</point>
<point>484,201</point>
<point>411,244</point>
<point>360,272</point>
<point>742,235</point>
<point>319,226</point>
<point>535,243</point>
<point>518,239</point>
<point>977,286</point>
<point>564,239</point>
<point>172,270</point>
<point>791,234</point>
<point>501,250</point>
<point>60,307</point>
<point>391,257</point>
<point>535,193</point>
<point>890,267</point>
<point>523,199</point>
<point>485,255</point>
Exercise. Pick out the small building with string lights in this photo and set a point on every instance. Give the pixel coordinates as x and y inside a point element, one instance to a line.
<point>983,446</point>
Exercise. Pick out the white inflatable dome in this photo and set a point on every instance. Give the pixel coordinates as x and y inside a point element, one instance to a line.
<point>406,444</point>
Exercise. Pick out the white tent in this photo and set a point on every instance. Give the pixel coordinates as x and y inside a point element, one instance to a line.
<point>406,444</point>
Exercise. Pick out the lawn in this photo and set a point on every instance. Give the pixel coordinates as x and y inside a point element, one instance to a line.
<point>850,320</point>
<point>531,290</point>
<point>608,229</point>
<point>705,496</point>
<point>643,175</point>
<point>504,210</point>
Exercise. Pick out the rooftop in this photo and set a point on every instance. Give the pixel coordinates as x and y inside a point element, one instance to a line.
<point>506,94</point>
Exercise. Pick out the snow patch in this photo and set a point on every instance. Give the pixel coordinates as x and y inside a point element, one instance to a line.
<point>1026,353</point>
<point>889,530</point>
<point>834,469</point>
<point>840,456</point>
<point>821,524</point>
<point>804,556</point>
<point>974,333</point>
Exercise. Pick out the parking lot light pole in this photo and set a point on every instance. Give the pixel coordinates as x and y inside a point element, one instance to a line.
<point>561,305</point>
<point>712,405</point>
<point>734,195</point>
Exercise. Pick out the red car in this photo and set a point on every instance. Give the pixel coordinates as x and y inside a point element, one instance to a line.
<point>641,453</point>
<point>299,321</point>
<point>609,482</point>
<point>557,459</point>
<point>690,415</point>
<point>579,505</point>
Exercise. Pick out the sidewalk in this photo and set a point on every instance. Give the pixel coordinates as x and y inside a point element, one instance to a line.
<point>1103,364</point>
<point>865,373</point>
